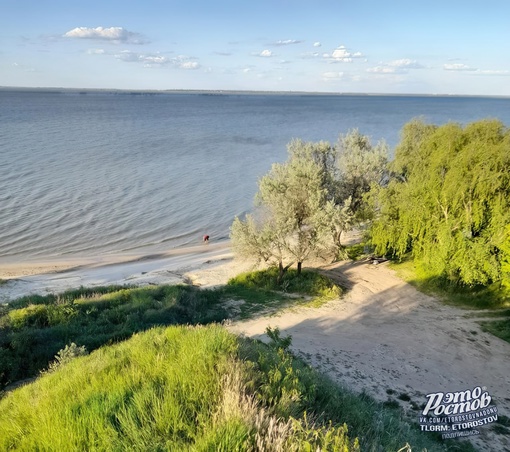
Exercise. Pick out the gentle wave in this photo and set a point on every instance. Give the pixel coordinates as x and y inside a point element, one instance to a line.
<point>98,174</point>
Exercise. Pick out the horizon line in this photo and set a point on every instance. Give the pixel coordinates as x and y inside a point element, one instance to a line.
<point>238,92</point>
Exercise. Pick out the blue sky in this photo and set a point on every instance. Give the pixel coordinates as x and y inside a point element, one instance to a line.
<point>429,47</point>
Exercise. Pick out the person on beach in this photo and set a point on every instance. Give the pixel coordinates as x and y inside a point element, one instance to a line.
<point>206,239</point>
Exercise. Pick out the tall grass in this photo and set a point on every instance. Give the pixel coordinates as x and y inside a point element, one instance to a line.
<point>178,388</point>
<point>310,283</point>
<point>184,388</point>
<point>34,329</point>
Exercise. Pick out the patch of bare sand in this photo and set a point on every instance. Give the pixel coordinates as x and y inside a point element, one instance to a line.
<point>384,337</point>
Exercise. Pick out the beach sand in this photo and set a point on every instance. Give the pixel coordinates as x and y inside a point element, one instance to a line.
<point>172,267</point>
<point>382,337</point>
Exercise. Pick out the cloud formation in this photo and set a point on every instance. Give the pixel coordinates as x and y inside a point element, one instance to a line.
<point>341,55</point>
<point>286,42</point>
<point>157,60</point>
<point>112,34</point>
<point>401,66</point>
<point>458,67</point>
<point>332,75</point>
<point>265,53</point>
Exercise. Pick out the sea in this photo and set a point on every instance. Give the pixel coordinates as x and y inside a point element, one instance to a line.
<point>97,173</point>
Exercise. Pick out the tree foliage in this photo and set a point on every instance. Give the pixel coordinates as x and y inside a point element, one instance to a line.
<point>294,217</point>
<point>361,166</point>
<point>307,202</point>
<point>449,200</point>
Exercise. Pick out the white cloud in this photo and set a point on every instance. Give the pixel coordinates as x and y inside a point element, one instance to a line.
<point>112,34</point>
<point>310,55</point>
<point>129,56</point>
<point>189,65</point>
<point>401,66</point>
<point>286,42</point>
<point>157,60</point>
<point>185,62</point>
<point>342,55</point>
<point>491,72</point>
<point>405,63</point>
<point>383,69</point>
<point>265,53</point>
<point>458,67</point>
<point>317,44</point>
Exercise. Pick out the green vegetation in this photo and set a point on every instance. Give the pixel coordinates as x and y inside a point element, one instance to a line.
<point>448,203</point>
<point>500,328</point>
<point>470,297</point>
<point>490,297</point>
<point>196,389</point>
<point>309,283</point>
<point>34,328</point>
<point>307,202</point>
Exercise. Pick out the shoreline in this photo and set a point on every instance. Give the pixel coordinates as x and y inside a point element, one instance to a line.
<point>13,268</point>
<point>169,267</point>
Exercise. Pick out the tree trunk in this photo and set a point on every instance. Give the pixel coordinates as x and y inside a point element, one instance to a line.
<point>281,272</point>
<point>299,268</point>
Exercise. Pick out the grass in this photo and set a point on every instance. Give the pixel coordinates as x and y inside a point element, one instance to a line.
<point>146,386</point>
<point>492,298</point>
<point>196,388</point>
<point>314,289</point>
<point>34,328</point>
<point>500,328</point>
<point>477,297</point>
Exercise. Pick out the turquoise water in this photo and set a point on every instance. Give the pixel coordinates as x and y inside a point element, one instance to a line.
<point>99,173</point>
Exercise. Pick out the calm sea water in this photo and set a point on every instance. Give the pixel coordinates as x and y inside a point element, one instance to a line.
<point>98,173</point>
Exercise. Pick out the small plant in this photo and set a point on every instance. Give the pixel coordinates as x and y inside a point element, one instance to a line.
<point>276,340</point>
<point>66,355</point>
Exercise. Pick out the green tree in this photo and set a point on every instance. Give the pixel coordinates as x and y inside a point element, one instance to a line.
<point>295,216</point>
<point>361,166</point>
<point>448,201</point>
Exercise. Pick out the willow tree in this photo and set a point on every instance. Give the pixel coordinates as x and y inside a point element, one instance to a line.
<point>449,200</point>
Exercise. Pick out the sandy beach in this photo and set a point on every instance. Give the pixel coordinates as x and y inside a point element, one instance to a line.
<point>383,337</point>
<point>55,276</point>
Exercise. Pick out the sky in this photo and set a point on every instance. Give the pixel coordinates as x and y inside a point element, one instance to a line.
<point>364,46</point>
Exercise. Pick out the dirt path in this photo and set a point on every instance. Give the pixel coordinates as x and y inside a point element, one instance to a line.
<point>386,338</point>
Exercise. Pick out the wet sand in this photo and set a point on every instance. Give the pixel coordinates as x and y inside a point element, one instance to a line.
<point>57,275</point>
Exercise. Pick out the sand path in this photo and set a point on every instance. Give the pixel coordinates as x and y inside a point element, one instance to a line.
<point>385,336</point>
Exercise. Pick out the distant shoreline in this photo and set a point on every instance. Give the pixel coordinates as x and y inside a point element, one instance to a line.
<point>85,91</point>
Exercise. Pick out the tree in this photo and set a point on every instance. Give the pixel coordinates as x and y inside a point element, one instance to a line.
<point>361,166</point>
<point>449,200</point>
<point>295,215</point>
